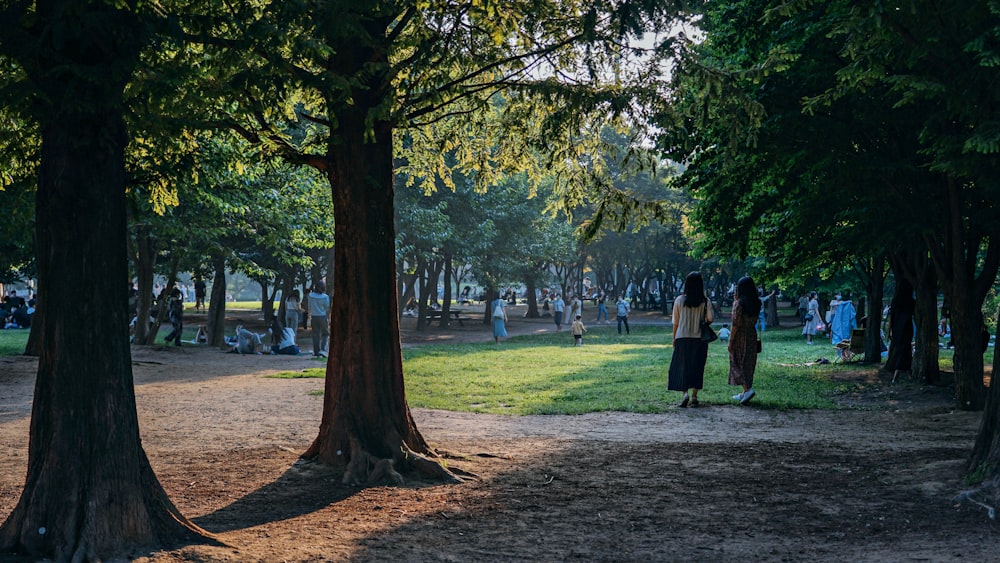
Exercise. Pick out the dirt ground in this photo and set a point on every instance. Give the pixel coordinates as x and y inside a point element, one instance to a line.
<point>717,483</point>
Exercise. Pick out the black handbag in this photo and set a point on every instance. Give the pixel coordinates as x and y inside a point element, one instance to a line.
<point>808,317</point>
<point>707,333</point>
<point>758,346</point>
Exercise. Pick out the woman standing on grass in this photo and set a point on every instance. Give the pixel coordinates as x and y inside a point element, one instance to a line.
<point>499,309</point>
<point>812,319</point>
<point>743,339</point>
<point>687,365</point>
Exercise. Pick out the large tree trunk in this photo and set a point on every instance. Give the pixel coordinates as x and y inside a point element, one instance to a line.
<point>772,312</point>
<point>420,287</point>
<point>874,280</point>
<point>217,304</point>
<point>446,300</point>
<point>529,291</point>
<point>34,345</point>
<point>966,276</point>
<point>267,295</point>
<point>966,331</point>
<point>367,428</point>
<point>90,493</point>
<point>984,463</point>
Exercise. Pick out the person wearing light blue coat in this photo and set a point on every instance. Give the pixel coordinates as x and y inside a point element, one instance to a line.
<point>843,322</point>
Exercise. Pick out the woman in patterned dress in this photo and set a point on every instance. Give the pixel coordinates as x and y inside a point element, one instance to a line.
<point>743,339</point>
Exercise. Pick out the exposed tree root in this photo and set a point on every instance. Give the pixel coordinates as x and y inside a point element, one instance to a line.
<point>365,469</point>
<point>986,495</point>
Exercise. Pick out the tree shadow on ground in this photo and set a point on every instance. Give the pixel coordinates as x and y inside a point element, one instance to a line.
<point>755,500</point>
<point>304,488</point>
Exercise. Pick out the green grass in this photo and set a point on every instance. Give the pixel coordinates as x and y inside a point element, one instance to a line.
<point>12,342</point>
<point>546,374</point>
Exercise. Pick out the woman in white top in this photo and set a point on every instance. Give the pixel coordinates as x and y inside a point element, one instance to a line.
<point>812,319</point>
<point>687,365</point>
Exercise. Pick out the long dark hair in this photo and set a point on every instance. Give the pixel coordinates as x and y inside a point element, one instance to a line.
<point>694,290</point>
<point>746,294</point>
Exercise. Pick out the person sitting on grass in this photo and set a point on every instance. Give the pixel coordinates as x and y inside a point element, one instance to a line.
<point>724,332</point>
<point>287,344</point>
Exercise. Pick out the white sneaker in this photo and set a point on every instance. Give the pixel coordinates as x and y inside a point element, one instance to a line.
<point>738,397</point>
<point>747,396</point>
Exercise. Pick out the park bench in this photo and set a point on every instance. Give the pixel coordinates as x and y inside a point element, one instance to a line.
<point>433,314</point>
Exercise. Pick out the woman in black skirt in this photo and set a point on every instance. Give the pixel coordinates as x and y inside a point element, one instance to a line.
<point>687,366</point>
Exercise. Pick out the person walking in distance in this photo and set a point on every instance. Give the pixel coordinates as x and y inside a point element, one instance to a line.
<point>558,308</point>
<point>578,330</point>
<point>499,309</point>
<point>623,308</point>
<point>175,312</point>
<point>602,308</point>
<point>319,307</point>
<point>200,291</point>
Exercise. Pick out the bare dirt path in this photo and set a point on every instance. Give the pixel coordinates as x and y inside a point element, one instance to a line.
<point>717,483</point>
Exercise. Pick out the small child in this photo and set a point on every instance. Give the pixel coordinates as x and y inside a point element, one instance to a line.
<point>578,330</point>
<point>724,332</point>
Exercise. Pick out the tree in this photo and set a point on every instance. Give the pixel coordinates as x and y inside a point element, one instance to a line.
<point>90,492</point>
<point>357,73</point>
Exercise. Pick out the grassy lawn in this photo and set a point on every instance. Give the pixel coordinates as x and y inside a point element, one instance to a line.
<point>12,341</point>
<point>545,374</point>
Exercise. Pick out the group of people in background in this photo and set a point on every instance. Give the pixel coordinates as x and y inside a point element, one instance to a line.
<point>283,336</point>
<point>16,311</point>
<point>839,322</point>
<point>244,341</point>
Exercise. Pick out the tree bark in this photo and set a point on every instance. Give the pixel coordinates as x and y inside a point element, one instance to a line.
<point>90,493</point>
<point>163,300</point>
<point>217,304</point>
<point>926,354</point>
<point>529,290</point>
<point>966,275</point>
<point>875,290</point>
<point>420,285</point>
<point>984,462</point>
<point>366,428</point>
<point>446,301</point>
<point>966,330</point>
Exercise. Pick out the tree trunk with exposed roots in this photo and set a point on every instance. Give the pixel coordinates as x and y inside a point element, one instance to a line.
<point>90,493</point>
<point>367,428</point>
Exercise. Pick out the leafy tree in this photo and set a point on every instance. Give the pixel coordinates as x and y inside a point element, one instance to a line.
<point>360,72</point>
<point>939,61</point>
